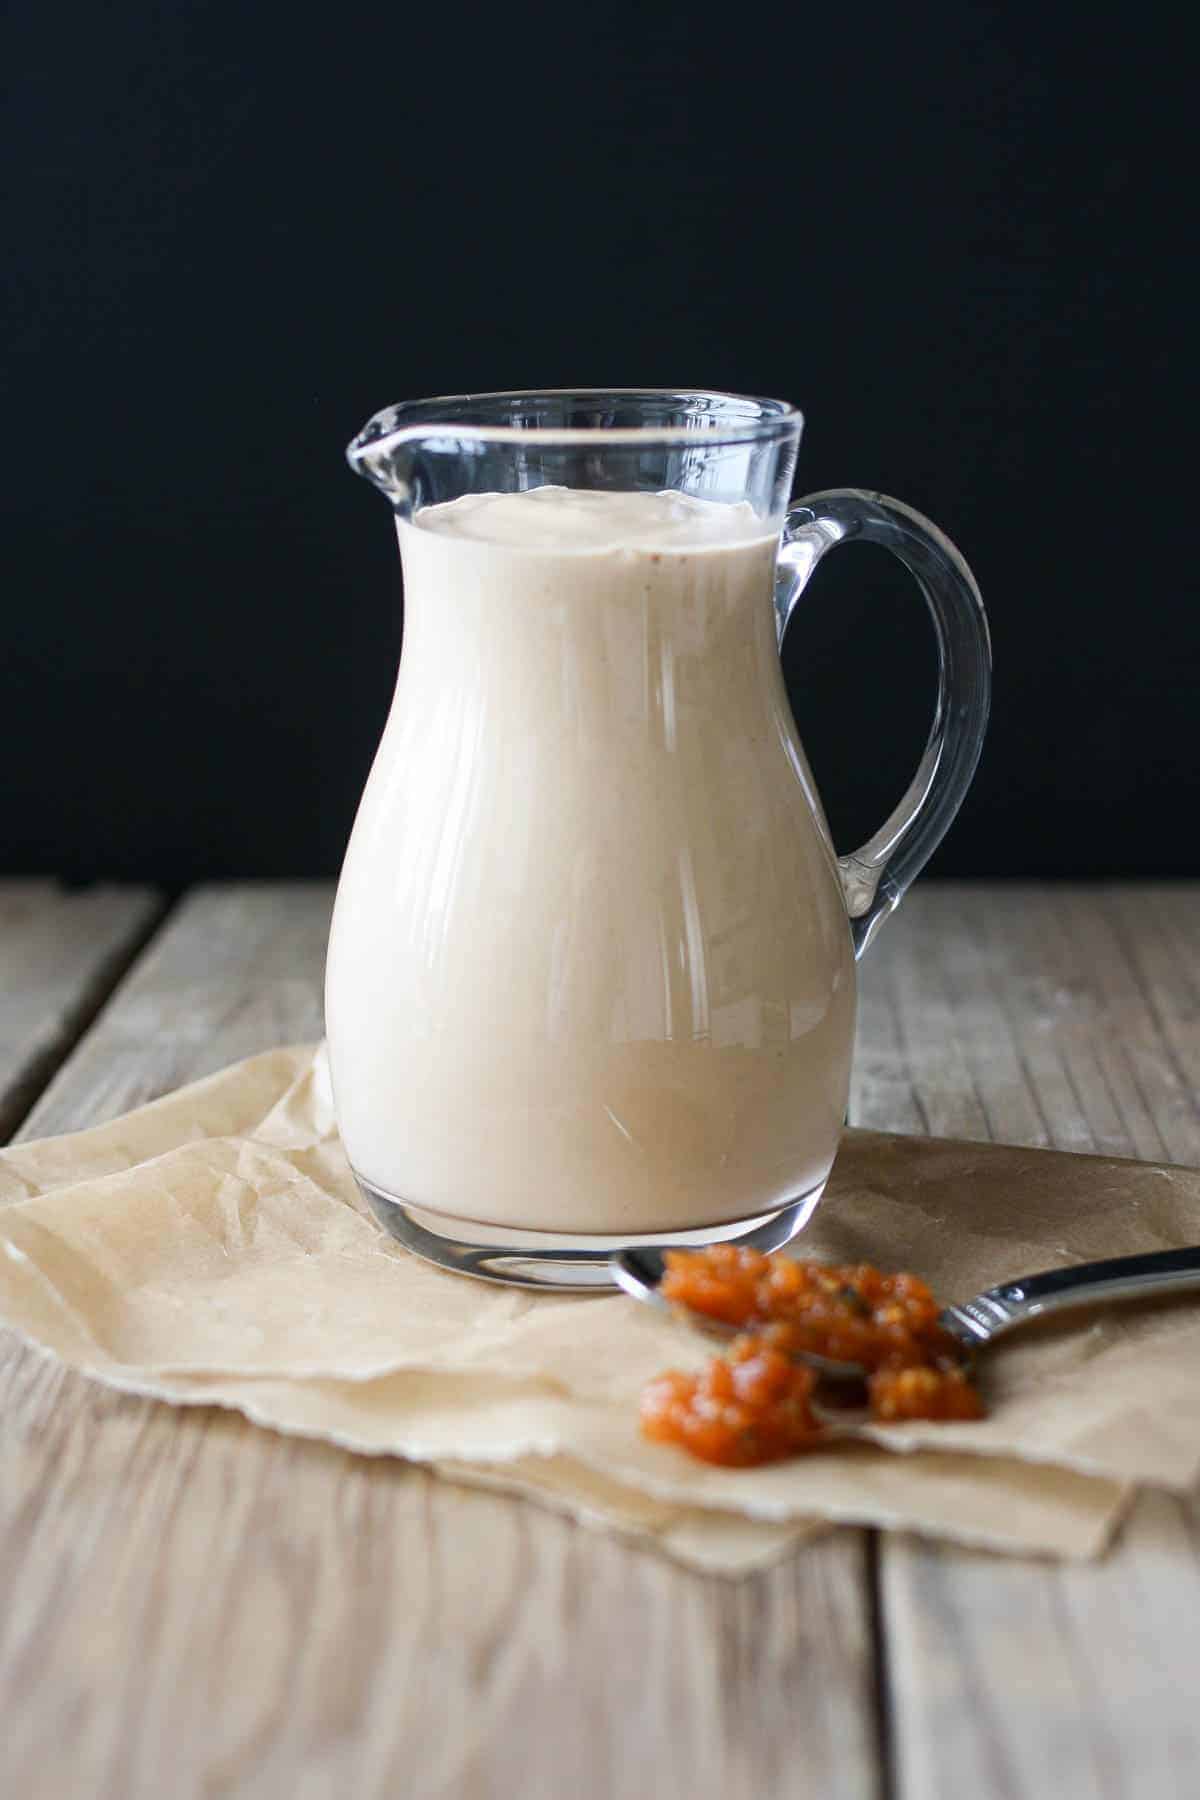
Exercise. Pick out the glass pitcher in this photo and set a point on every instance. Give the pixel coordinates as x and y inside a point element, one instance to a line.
<point>591,969</point>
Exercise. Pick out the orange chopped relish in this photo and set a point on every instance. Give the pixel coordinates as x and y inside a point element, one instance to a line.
<point>749,1407</point>
<point>754,1405</point>
<point>922,1393</point>
<point>850,1312</point>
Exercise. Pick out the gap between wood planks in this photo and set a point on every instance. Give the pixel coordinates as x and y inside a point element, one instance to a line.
<point>882,1703</point>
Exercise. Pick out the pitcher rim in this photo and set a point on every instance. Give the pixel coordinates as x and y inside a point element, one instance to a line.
<point>410,420</point>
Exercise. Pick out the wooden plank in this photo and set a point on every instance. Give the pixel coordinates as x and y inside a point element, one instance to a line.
<point>235,970</point>
<point>1158,931</point>
<point>61,953</point>
<point>199,1607</point>
<point>1023,1679</point>
<point>1074,1016</point>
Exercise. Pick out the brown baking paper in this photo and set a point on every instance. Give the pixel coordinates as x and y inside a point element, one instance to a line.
<point>211,1248</point>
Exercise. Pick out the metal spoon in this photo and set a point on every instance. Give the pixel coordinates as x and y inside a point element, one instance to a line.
<point>972,1323</point>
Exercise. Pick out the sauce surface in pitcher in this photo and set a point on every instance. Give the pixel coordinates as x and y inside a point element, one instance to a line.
<point>559,519</point>
<point>590,967</point>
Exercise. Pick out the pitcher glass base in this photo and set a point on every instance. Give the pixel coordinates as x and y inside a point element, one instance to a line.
<point>557,1263</point>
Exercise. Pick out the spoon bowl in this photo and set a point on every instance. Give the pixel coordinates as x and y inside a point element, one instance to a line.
<point>640,1272</point>
<point>971,1323</point>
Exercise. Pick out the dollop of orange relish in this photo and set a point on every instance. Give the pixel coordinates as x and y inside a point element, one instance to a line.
<point>754,1405</point>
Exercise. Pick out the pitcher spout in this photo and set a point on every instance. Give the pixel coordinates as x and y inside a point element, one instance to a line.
<point>384,453</point>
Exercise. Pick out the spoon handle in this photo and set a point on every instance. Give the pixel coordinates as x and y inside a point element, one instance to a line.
<point>999,1308</point>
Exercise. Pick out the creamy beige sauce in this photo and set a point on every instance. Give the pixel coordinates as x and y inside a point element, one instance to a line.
<point>590,969</point>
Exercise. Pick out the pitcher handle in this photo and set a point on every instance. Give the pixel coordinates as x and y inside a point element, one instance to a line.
<point>876,877</point>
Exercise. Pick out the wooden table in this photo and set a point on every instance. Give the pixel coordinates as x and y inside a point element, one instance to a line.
<point>193,1607</point>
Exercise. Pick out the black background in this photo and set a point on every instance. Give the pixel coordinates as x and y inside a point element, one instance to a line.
<point>957,235</point>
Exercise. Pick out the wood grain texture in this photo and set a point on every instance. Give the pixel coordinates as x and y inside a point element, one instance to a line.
<point>198,1608</point>
<point>234,970</point>
<point>60,954</point>
<point>1042,1016</point>
<point>1017,1680</point>
<point>194,1607</point>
